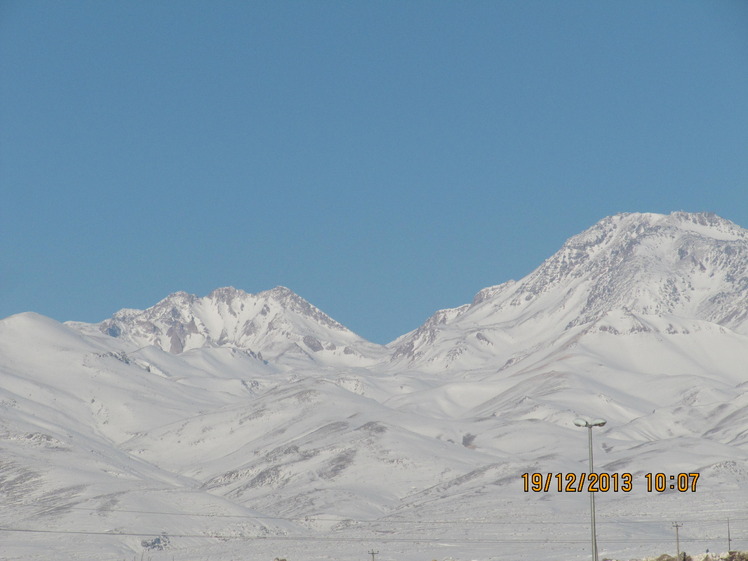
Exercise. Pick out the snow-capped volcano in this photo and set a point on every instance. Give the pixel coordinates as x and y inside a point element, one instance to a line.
<point>275,325</point>
<point>629,272</point>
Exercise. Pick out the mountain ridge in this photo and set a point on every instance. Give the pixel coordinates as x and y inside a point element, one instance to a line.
<point>207,405</point>
<point>640,263</point>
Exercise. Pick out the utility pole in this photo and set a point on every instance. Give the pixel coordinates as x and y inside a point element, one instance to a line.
<point>729,541</point>
<point>373,553</point>
<point>588,425</point>
<point>677,539</point>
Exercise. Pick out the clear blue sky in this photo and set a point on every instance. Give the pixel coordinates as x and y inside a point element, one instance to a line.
<point>383,159</point>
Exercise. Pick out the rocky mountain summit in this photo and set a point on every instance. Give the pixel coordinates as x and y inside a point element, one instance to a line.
<point>649,271</point>
<point>276,325</point>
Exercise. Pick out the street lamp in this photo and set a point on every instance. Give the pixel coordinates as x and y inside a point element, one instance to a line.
<point>588,425</point>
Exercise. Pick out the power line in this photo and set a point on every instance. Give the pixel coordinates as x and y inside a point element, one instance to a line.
<point>350,539</point>
<point>471,522</point>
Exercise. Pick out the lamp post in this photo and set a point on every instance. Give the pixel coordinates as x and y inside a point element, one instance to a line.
<point>588,425</point>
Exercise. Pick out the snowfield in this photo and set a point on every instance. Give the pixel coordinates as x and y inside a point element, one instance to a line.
<point>254,426</point>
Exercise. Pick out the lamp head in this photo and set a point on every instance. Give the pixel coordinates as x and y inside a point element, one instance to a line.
<point>587,424</point>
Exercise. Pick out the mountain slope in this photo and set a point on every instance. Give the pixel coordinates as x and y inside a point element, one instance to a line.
<point>67,402</point>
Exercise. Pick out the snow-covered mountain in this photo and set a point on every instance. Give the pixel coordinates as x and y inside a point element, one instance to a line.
<point>238,425</point>
<point>273,325</point>
<point>629,273</point>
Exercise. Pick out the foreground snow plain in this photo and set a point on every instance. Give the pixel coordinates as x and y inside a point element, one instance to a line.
<point>254,426</point>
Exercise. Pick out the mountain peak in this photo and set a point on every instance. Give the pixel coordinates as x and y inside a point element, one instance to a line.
<point>628,226</point>
<point>272,324</point>
<point>281,292</point>
<point>685,265</point>
<point>638,250</point>
<point>226,293</point>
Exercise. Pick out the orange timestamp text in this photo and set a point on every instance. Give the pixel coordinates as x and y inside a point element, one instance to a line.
<point>606,482</point>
